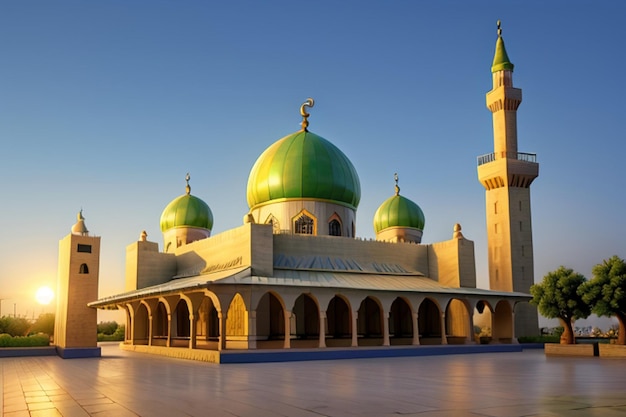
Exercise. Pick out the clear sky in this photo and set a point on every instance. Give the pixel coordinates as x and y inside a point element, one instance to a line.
<point>105,106</point>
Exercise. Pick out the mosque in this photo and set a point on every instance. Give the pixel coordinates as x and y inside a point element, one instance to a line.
<point>294,275</point>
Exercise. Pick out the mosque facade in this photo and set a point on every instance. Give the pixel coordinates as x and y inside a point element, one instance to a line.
<point>294,275</point>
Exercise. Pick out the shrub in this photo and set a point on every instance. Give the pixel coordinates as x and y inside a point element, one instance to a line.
<point>6,340</point>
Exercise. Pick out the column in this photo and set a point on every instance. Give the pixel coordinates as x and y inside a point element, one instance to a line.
<point>322,340</point>
<point>444,339</point>
<point>355,339</point>
<point>386,329</point>
<point>287,343</point>
<point>416,330</point>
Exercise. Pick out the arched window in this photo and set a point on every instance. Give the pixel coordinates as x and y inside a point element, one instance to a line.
<point>84,269</point>
<point>334,228</point>
<point>304,225</point>
<point>275,224</point>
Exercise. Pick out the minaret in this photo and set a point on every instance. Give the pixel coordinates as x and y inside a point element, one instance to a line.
<point>75,329</point>
<point>506,175</point>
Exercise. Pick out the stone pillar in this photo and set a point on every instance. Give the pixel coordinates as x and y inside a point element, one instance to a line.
<point>192,331</point>
<point>169,330</point>
<point>386,329</point>
<point>287,343</point>
<point>416,330</point>
<point>322,340</point>
<point>252,329</point>
<point>355,338</point>
<point>444,339</point>
<point>221,339</point>
<point>150,330</point>
<point>513,336</point>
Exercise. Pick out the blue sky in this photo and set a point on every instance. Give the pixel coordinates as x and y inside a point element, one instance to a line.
<point>105,106</point>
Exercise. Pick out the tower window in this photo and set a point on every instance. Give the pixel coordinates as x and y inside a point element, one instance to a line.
<point>495,228</point>
<point>334,228</point>
<point>84,248</point>
<point>84,269</point>
<point>304,225</point>
<point>495,208</point>
<point>520,205</point>
<point>520,226</point>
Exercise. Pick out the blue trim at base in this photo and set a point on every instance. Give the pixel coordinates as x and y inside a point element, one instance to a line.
<point>75,353</point>
<point>27,351</point>
<point>291,355</point>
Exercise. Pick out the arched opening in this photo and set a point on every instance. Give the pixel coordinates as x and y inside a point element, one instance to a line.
<point>483,322</point>
<point>160,326</point>
<point>338,319</point>
<point>270,322</point>
<point>304,224</point>
<point>140,325</point>
<point>237,324</point>
<point>503,323</point>
<point>275,224</point>
<point>429,323</point>
<point>207,325</point>
<point>306,315</point>
<point>400,323</point>
<point>180,325</point>
<point>83,269</point>
<point>370,323</point>
<point>458,329</point>
<point>334,228</point>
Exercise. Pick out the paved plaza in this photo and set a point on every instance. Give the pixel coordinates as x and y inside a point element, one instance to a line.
<point>487,384</point>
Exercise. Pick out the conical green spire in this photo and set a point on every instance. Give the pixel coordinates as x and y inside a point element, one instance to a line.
<point>501,59</point>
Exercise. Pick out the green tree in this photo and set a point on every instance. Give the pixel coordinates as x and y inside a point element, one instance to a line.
<point>107,327</point>
<point>557,297</point>
<point>15,326</point>
<point>606,292</point>
<point>44,324</point>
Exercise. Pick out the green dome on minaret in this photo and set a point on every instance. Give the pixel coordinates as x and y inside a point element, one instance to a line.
<point>303,165</point>
<point>501,60</point>
<point>187,211</point>
<point>398,211</point>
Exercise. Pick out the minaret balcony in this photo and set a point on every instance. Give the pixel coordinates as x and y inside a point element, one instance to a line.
<point>519,156</point>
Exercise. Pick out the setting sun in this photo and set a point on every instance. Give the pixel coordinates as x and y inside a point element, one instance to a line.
<point>44,295</point>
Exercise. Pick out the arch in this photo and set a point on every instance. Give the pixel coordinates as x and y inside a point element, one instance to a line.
<point>458,321</point>
<point>429,322</point>
<point>160,326</point>
<point>305,223</point>
<point>339,322</point>
<point>306,316</point>
<point>141,325</point>
<point>271,219</point>
<point>502,330</point>
<point>237,318</point>
<point>335,225</point>
<point>180,321</point>
<point>83,269</point>
<point>400,322</point>
<point>370,323</point>
<point>270,320</point>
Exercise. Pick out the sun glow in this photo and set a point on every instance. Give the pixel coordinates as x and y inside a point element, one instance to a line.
<point>44,295</point>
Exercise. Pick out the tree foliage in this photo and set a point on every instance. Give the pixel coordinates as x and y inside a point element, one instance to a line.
<point>44,324</point>
<point>14,326</point>
<point>606,292</point>
<point>107,327</point>
<point>557,297</point>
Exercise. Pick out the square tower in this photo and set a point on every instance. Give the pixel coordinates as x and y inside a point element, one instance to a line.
<point>75,329</point>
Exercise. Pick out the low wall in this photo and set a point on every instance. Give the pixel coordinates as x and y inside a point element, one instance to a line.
<point>211,356</point>
<point>557,349</point>
<point>612,351</point>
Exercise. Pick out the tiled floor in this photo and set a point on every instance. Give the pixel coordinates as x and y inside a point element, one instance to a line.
<point>492,384</point>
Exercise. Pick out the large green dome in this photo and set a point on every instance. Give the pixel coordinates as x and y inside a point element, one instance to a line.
<point>303,165</point>
<point>398,211</point>
<point>187,210</point>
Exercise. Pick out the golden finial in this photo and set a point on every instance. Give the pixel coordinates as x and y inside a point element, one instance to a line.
<point>499,28</point>
<point>395,177</point>
<point>308,103</point>
<point>188,187</point>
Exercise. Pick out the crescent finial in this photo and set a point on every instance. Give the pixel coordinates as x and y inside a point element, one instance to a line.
<point>188,187</point>
<point>395,177</point>
<point>308,103</point>
<point>499,28</point>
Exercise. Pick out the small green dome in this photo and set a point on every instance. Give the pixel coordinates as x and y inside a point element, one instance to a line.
<point>187,210</point>
<point>398,211</point>
<point>501,60</point>
<point>303,165</point>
